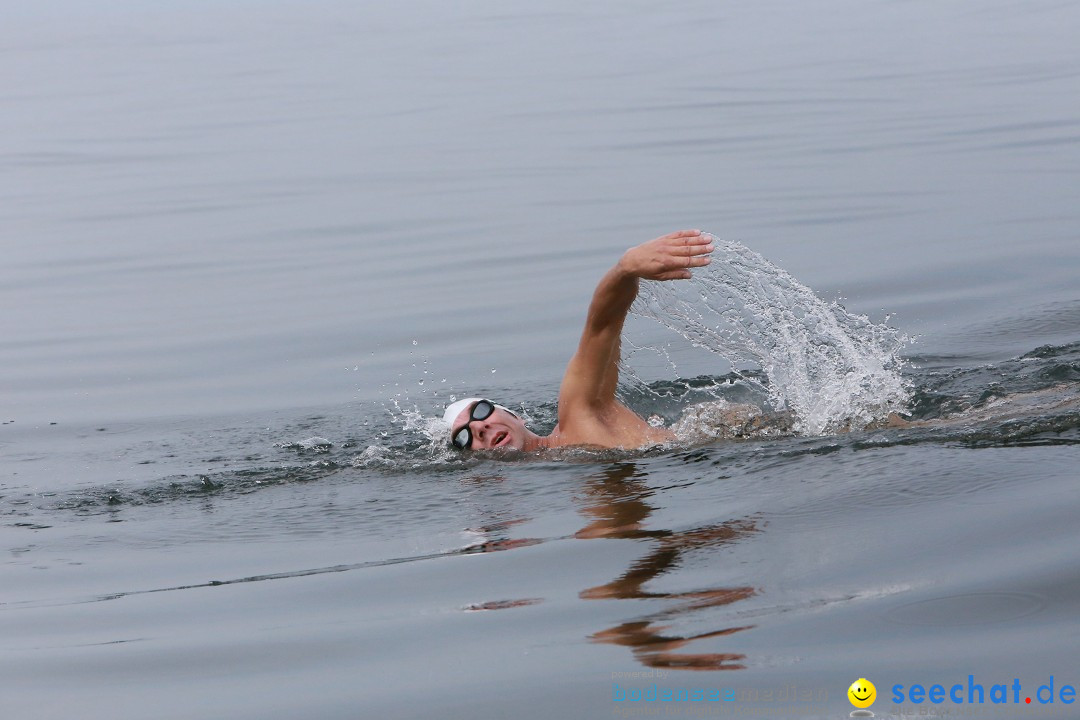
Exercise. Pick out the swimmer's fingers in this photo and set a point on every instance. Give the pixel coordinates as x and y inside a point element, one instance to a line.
<point>674,275</point>
<point>669,257</point>
<point>692,250</point>
<point>683,271</point>
<point>689,243</point>
<point>685,257</point>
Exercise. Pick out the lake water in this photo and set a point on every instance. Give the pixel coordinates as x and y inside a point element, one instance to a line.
<point>248,246</point>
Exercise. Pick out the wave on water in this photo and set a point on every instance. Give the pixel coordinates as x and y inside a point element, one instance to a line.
<point>1033,399</point>
<point>828,369</point>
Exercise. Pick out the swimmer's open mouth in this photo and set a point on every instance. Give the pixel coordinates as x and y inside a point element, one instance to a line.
<point>501,439</point>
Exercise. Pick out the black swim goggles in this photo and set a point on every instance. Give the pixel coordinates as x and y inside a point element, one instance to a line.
<point>482,410</point>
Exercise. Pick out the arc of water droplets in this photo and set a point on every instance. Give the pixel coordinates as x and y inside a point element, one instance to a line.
<point>831,369</point>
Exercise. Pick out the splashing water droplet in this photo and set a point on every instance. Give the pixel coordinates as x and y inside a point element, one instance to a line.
<point>832,370</point>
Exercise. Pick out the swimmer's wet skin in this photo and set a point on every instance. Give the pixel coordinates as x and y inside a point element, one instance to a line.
<point>589,413</point>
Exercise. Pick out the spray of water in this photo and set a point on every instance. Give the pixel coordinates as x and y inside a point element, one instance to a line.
<point>830,370</point>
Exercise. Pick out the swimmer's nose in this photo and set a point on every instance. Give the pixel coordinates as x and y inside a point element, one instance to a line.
<point>480,429</point>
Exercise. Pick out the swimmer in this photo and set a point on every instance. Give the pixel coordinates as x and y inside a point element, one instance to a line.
<point>589,413</point>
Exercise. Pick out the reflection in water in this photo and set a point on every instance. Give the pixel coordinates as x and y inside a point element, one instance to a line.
<point>501,604</point>
<point>617,509</point>
<point>496,534</point>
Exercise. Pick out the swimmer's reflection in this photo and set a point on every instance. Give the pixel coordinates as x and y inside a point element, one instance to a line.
<point>493,534</point>
<point>617,509</point>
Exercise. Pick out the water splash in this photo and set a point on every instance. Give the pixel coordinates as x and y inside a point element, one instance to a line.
<point>314,444</point>
<point>432,432</point>
<point>724,420</point>
<point>829,369</point>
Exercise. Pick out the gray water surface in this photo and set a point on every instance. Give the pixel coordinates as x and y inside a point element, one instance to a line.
<point>228,229</point>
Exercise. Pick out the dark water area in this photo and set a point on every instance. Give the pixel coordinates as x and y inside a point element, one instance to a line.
<point>248,248</point>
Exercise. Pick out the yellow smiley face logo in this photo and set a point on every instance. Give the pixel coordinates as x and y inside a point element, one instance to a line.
<point>862,693</point>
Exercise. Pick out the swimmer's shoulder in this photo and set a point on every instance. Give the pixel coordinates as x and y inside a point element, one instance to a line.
<point>616,426</point>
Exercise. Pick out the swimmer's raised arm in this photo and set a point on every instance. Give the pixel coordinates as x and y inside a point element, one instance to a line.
<point>589,413</point>
<point>593,372</point>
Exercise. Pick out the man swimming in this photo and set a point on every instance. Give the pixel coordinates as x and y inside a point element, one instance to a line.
<point>589,413</point>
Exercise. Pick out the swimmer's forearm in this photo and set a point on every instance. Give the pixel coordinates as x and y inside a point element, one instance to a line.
<point>611,301</point>
<point>593,372</point>
<point>669,257</point>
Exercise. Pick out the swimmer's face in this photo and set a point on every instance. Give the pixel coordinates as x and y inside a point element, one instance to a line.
<point>500,429</point>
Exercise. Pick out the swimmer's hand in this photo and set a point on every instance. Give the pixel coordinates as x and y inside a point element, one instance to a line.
<point>669,257</point>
